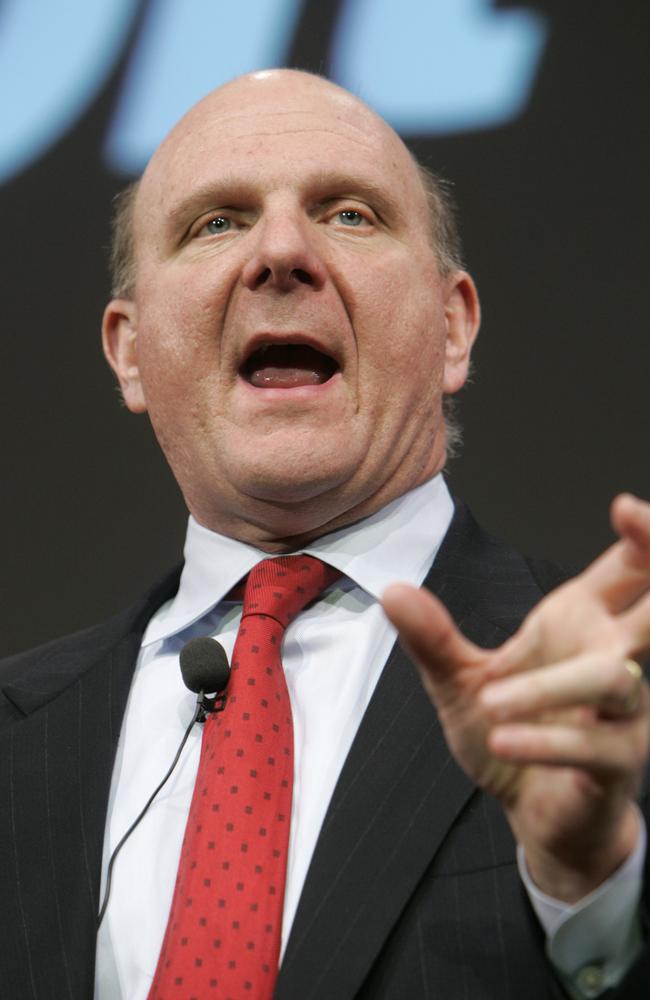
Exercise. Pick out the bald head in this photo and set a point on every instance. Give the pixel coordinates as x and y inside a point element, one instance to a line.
<point>261,103</point>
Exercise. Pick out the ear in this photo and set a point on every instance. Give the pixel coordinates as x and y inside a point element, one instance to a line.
<point>119,340</point>
<point>463,318</point>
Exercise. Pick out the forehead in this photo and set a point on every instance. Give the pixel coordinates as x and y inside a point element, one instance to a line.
<point>269,130</point>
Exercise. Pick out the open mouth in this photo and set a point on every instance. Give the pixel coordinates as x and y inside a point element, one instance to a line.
<point>287,366</point>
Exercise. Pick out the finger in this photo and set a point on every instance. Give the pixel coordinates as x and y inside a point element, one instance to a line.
<point>630,518</point>
<point>599,680</point>
<point>636,626</point>
<point>607,748</point>
<point>428,632</point>
<point>618,583</point>
<point>622,573</point>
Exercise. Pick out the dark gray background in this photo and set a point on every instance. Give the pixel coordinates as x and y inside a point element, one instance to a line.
<point>556,420</point>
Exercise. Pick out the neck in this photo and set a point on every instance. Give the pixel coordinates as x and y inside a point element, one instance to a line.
<point>277,527</point>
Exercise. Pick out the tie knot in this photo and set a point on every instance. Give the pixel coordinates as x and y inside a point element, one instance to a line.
<point>282,587</point>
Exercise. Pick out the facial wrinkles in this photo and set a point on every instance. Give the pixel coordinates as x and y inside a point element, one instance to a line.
<point>362,130</point>
<point>340,319</point>
<point>280,209</point>
<point>320,315</point>
<point>348,119</point>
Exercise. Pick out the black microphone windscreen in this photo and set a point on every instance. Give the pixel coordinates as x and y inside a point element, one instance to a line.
<point>204,665</point>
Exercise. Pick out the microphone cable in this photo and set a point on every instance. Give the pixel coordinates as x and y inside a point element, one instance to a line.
<point>204,666</point>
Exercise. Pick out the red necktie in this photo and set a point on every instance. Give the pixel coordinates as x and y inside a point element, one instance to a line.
<point>224,928</point>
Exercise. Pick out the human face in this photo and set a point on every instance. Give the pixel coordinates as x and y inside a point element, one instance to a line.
<point>290,334</point>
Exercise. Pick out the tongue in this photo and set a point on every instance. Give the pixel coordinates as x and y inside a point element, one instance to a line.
<point>287,366</point>
<point>273,377</point>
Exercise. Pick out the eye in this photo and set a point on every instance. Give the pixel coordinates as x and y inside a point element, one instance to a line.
<point>342,213</point>
<point>215,226</point>
<point>350,217</point>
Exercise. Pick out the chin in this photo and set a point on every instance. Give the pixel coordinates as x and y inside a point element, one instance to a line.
<point>287,490</point>
<point>296,469</point>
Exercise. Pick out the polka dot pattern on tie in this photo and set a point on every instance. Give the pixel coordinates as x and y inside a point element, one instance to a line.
<point>224,928</point>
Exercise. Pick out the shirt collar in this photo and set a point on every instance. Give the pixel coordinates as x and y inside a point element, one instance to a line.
<point>398,542</point>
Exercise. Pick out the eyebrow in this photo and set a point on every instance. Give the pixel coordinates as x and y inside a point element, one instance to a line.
<point>341,184</point>
<point>215,194</point>
<point>325,186</point>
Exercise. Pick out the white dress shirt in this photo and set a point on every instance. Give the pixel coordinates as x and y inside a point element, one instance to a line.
<point>333,654</point>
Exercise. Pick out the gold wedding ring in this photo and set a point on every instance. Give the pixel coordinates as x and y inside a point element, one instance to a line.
<point>632,700</point>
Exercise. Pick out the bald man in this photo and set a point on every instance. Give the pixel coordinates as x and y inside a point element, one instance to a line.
<point>291,310</point>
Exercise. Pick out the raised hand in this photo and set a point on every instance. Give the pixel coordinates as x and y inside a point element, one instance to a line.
<point>556,722</point>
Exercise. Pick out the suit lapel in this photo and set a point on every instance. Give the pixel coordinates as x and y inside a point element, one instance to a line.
<point>399,793</point>
<point>397,796</point>
<point>57,759</point>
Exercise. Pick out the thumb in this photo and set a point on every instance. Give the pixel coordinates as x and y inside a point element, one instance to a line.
<point>429,634</point>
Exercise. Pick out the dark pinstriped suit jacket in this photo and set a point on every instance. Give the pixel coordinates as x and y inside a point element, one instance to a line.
<point>412,891</point>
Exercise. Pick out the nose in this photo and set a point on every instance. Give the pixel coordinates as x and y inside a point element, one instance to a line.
<point>284,256</point>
